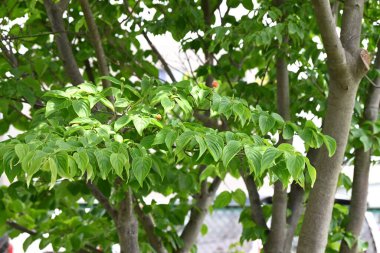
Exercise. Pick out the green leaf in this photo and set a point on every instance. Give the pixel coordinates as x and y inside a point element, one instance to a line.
<point>141,167</point>
<point>122,103</point>
<point>81,108</point>
<point>88,88</point>
<point>183,140</point>
<point>214,145</point>
<point>104,163</point>
<point>239,197</point>
<point>53,171</point>
<point>121,122</point>
<point>140,124</point>
<point>111,79</point>
<point>21,150</point>
<point>295,164</point>
<point>167,104</point>
<point>330,144</point>
<point>230,151</point>
<point>312,171</point>
<point>204,229</point>
<point>248,4</point>
<point>210,169</point>
<point>107,103</point>
<point>222,200</point>
<point>254,158</point>
<point>170,138</point>
<point>269,157</point>
<point>202,145</point>
<point>55,105</point>
<point>266,123</point>
<point>287,132</point>
<point>118,161</point>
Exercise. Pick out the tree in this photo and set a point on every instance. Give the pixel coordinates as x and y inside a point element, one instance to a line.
<point>104,131</point>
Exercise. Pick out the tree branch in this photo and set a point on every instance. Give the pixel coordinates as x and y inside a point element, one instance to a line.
<point>332,44</point>
<point>162,60</point>
<point>103,200</point>
<point>254,199</point>
<point>21,228</point>
<point>352,24</point>
<point>54,13</point>
<point>148,225</point>
<point>197,214</point>
<point>8,54</point>
<point>96,41</point>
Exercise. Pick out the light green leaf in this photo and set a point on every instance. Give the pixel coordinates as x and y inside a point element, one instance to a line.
<point>141,167</point>
<point>239,197</point>
<point>21,150</point>
<point>167,104</point>
<point>183,140</point>
<point>207,172</point>
<point>118,161</point>
<point>111,79</point>
<point>269,157</point>
<point>266,123</point>
<point>254,158</point>
<point>204,229</point>
<point>107,103</point>
<point>81,108</point>
<point>312,172</point>
<point>295,164</point>
<point>330,144</point>
<point>287,132</point>
<point>104,163</point>
<point>53,171</point>
<point>222,200</point>
<point>121,122</point>
<point>122,103</point>
<point>202,145</point>
<point>88,88</point>
<point>230,151</point>
<point>140,123</point>
<point>214,145</point>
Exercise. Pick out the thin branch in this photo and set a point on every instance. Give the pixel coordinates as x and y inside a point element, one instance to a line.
<point>21,228</point>
<point>102,200</point>
<point>8,54</point>
<point>254,199</point>
<point>162,60</point>
<point>96,41</point>
<point>331,42</point>
<point>148,225</point>
<point>70,65</point>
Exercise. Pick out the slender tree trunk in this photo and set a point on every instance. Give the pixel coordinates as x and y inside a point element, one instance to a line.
<point>347,64</point>
<point>277,233</point>
<point>362,164</point>
<point>54,13</point>
<point>296,205</point>
<point>313,237</point>
<point>127,226</point>
<point>198,214</point>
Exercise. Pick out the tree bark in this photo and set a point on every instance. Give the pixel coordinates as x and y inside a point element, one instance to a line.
<point>362,164</point>
<point>127,226</point>
<point>345,71</point>
<point>278,229</point>
<point>54,13</point>
<point>148,224</point>
<point>254,200</point>
<point>96,41</point>
<point>198,214</point>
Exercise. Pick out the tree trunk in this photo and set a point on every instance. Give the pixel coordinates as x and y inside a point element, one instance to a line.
<point>347,64</point>
<point>278,229</point>
<point>127,226</point>
<point>314,232</point>
<point>198,214</point>
<point>361,169</point>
